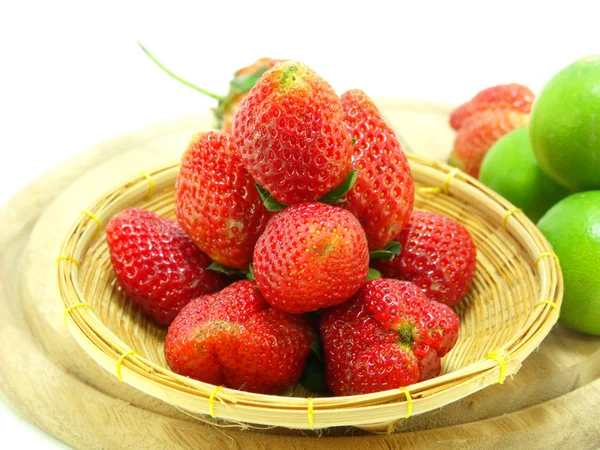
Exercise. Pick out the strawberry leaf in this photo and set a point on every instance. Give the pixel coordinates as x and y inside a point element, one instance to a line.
<point>388,252</point>
<point>317,349</point>
<point>313,376</point>
<point>336,195</point>
<point>373,274</point>
<point>270,202</point>
<point>250,274</point>
<point>215,266</point>
<point>241,85</point>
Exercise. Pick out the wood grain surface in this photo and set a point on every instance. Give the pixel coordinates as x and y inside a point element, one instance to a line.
<point>552,402</point>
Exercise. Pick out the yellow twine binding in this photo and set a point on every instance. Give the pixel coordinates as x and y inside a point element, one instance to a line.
<point>429,190</point>
<point>509,213</point>
<point>95,218</point>
<point>445,188</point>
<point>71,308</point>
<point>211,401</point>
<point>311,422</point>
<point>541,255</point>
<point>406,392</point>
<point>408,401</point>
<point>68,258</point>
<point>501,362</point>
<point>150,182</point>
<point>120,362</point>
<point>451,175</point>
<point>549,302</point>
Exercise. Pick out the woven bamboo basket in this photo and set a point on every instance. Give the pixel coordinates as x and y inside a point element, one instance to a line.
<point>511,306</point>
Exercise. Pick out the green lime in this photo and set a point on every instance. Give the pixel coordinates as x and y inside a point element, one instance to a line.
<point>510,169</point>
<point>572,226</point>
<point>565,126</point>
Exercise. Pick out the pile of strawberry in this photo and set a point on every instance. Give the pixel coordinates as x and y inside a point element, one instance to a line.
<point>296,236</point>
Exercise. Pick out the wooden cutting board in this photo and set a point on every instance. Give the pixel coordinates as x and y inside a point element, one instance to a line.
<point>552,402</point>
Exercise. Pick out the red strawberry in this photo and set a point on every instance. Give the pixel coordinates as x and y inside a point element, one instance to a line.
<point>365,374</point>
<point>430,364</point>
<point>402,307</point>
<point>234,338</point>
<point>513,96</point>
<point>291,134</point>
<point>216,200</point>
<point>389,335</point>
<point>157,265</point>
<point>311,256</point>
<point>479,133</point>
<point>243,80</point>
<point>438,255</point>
<point>383,196</point>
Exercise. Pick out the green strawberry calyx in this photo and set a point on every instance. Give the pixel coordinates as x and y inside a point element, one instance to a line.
<point>335,196</point>
<point>373,274</point>
<point>217,267</point>
<point>238,86</point>
<point>331,198</point>
<point>390,251</point>
<point>406,332</point>
<point>250,274</point>
<point>270,202</point>
<point>242,84</point>
<point>317,348</point>
<point>313,375</point>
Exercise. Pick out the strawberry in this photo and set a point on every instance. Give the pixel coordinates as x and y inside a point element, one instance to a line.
<point>515,97</point>
<point>488,116</point>
<point>402,307</point>
<point>438,255</point>
<point>383,196</point>
<point>479,132</point>
<point>311,256</point>
<point>389,335</point>
<point>242,81</point>
<point>291,134</point>
<point>234,338</point>
<point>430,364</point>
<point>157,265</point>
<point>216,201</point>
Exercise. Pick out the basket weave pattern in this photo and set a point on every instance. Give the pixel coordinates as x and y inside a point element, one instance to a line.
<point>511,306</point>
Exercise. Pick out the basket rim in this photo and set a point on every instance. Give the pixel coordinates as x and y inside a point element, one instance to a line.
<point>115,356</point>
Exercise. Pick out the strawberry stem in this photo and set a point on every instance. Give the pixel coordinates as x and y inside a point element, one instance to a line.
<point>178,78</point>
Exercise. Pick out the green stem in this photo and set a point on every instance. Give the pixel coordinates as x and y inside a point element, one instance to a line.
<point>181,80</point>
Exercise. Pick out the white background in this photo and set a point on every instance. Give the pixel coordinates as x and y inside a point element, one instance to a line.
<point>71,73</point>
